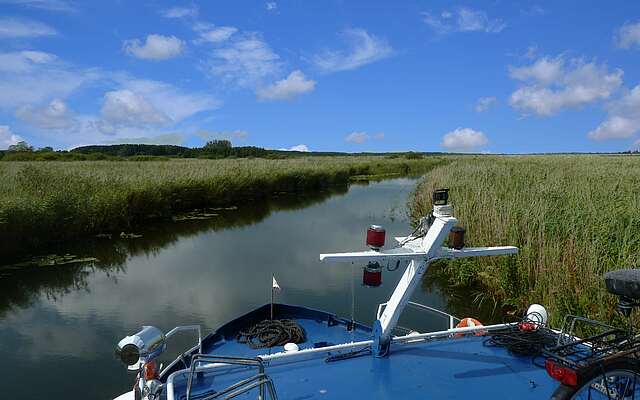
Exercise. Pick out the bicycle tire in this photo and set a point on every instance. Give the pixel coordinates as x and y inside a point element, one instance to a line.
<point>588,378</point>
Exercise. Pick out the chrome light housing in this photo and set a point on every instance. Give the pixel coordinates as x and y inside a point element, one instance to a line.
<point>145,345</point>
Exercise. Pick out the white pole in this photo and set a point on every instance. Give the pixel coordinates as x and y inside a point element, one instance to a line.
<point>413,274</point>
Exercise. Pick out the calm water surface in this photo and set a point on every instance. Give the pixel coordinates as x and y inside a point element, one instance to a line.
<point>59,325</point>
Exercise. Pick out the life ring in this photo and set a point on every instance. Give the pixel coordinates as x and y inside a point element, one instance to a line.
<point>470,323</point>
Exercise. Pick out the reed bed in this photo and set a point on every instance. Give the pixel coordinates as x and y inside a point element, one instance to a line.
<point>47,202</point>
<point>573,217</point>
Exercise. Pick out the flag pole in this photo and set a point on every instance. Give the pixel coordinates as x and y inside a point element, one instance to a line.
<point>272,290</point>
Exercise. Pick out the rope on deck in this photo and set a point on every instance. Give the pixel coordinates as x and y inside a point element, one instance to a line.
<point>526,338</point>
<point>270,333</point>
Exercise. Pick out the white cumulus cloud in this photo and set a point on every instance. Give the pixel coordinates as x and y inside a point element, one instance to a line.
<point>24,61</point>
<point>363,49</point>
<point>54,115</point>
<point>23,28</point>
<point>464,139</point>
<point>357,137</point>
<point>34,77</point>
<point>124,107</point>
<point>35,86</point>
<point>180,12</point>
<point>293,85</point>
<point>484,103</point>
<point>544,71</point>
<point>171,101</point>
<point>628,36</point>
<point>271,6</point>
<point>51,5</point>
<point>213,34</point>
<point>361,137</point>
<point>533,10</point>
<point>155,47</point>
<point>614,127</point>
<point>166,138</point>
<point>140,103</point>
<point>299,147</point>
<point>7,137</point>
<point>246,60</point>
<point>551,85</point>
<point>463,19</point>
<point>623,121</point>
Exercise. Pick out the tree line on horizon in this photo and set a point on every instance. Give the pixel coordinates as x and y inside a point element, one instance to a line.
<point>213,149</point>
<point>23,151</point>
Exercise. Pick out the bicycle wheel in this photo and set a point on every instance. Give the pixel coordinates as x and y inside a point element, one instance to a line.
<point>619,380</point>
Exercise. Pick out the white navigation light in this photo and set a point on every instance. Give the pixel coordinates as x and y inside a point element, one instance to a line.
<point>145,345</point>
<point>440,197</point>
<point>441,206</point>
<point>537,314</point>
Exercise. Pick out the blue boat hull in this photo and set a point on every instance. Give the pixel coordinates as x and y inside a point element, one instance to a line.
<point>454,368</point>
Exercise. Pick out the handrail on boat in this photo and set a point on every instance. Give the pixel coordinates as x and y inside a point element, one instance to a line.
<point>260,380</point>
<point>452,319</point>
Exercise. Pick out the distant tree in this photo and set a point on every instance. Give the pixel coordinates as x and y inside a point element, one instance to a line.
<point>46,149</point>
<point>21,146</point>
<point>217,145</point>
<point>212,149</point>
<point>249,151</point>
<point>221,148</point>
<point>128,150</point>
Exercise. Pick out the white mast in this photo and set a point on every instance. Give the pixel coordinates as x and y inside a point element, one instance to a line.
<point>420,251</point>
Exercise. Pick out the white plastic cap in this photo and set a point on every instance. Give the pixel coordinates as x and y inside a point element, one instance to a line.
<point>291,347</point>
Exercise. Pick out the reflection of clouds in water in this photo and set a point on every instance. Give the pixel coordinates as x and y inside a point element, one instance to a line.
<point>42,331</point>
<point>392,208</point>
<point>215,276</point>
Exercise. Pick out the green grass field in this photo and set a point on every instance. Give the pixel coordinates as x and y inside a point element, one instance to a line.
<point>46,202</point>
<point>573,217</point>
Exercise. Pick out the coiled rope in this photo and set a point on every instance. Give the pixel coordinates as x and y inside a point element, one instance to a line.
<point>526,338</point>
<point>270,333</point>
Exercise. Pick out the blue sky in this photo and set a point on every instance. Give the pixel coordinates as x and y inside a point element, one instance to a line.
<point>495,76</point>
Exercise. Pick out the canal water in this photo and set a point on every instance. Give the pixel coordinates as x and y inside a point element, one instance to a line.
<point>59,325</point>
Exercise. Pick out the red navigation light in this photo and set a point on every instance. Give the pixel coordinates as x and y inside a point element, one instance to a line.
<point>456,237</point>
<point>372,275</point>
<point>561,373</point>
<point>375,237</point>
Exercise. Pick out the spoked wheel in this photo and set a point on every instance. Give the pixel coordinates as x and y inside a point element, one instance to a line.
<point>619,380</point>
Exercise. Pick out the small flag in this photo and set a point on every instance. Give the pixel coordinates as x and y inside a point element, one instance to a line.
<point>275,285</point>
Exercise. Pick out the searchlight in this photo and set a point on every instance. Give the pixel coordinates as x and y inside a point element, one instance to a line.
<point>144,346</point>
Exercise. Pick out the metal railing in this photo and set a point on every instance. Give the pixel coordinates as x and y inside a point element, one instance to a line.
<point>260,380</point>
<point>181,356</point>
<point>452,320</point>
